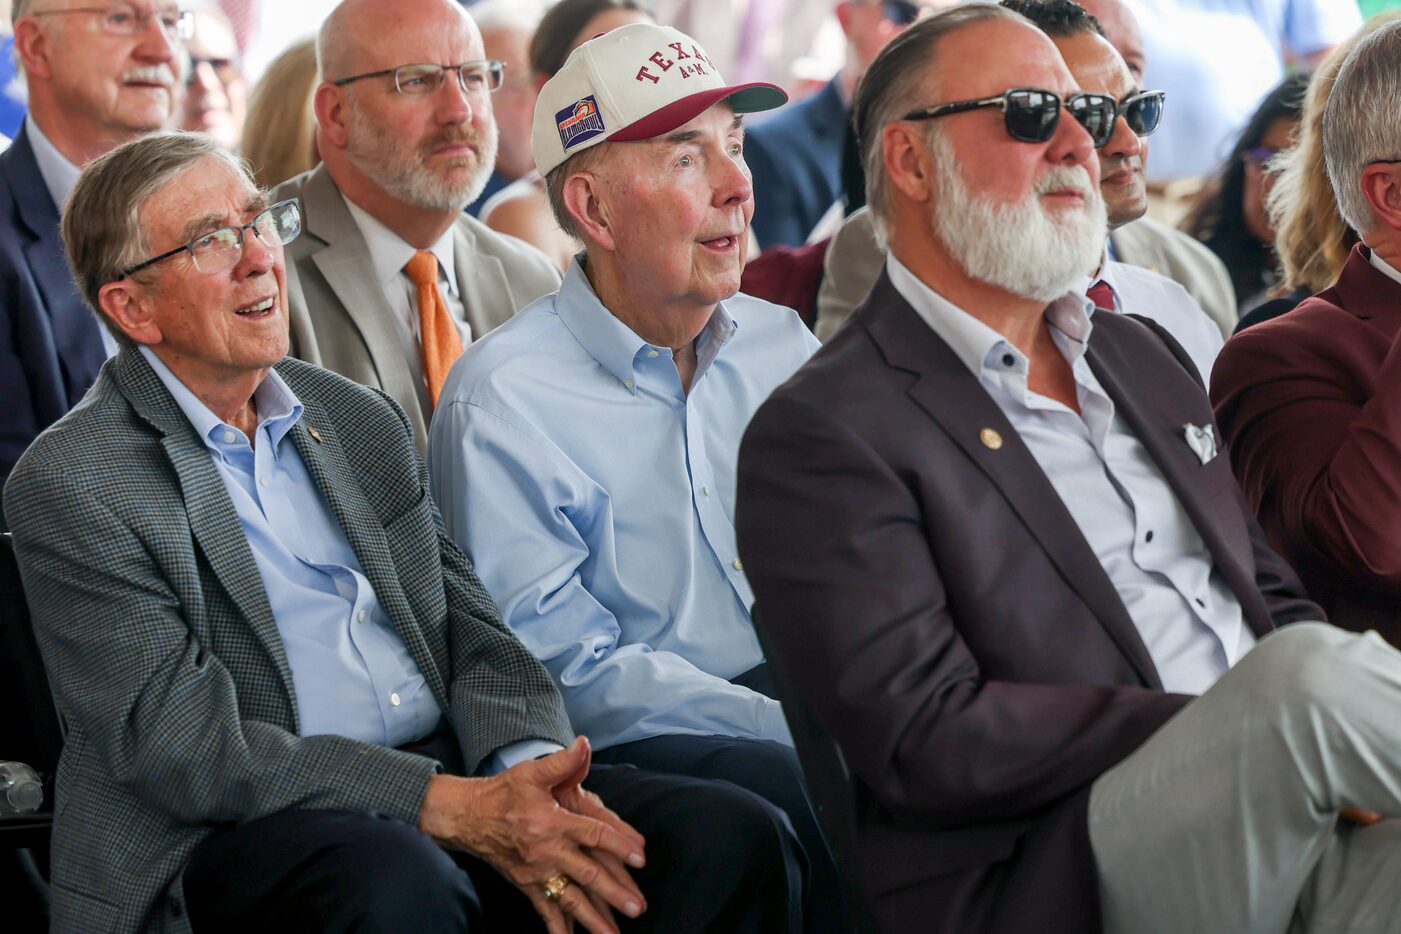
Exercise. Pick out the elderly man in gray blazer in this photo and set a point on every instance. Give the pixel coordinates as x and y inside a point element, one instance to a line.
<point>392,279</point>
<point>279,675</point>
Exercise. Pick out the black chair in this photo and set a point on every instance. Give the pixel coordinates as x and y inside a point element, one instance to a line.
<point>829,780</point>
<point>31,733</point>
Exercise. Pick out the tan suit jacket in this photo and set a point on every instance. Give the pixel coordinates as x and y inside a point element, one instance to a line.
<point>341,319</point>
<point>854,263</point>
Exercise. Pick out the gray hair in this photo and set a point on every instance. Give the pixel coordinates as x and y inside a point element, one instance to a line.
<point>101,218</point>
<point>1362,121</point>
<point>892,87</point>
<point>582,161</point>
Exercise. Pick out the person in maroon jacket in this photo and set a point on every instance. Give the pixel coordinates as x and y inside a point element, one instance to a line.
<point>995,545</point>
<point>1310,403</point>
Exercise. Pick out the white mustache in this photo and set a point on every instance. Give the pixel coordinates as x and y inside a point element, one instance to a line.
<point>1061,178</point>
<point>154,74</point>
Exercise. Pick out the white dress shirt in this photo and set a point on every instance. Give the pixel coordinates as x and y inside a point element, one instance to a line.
<point>1189,619</point>
<point>390,254</point>
<point>1143,292</point>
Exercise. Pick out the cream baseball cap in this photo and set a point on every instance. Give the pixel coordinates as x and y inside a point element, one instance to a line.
<point>635,82</point>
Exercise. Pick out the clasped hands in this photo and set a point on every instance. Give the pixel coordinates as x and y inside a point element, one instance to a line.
<point>535,821</point>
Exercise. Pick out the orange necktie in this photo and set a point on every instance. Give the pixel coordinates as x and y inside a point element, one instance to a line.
<point>437,335</point>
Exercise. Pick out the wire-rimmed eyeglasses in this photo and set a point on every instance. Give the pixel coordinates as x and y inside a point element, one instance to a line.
<point>417,80</point>
<point>124,19</point>
<point>221,249</point>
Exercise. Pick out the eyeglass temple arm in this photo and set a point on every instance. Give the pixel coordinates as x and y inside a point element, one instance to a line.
<point>941,110</point>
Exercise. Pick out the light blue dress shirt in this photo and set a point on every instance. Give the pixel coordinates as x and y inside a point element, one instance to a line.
<point>351,672</point>
<point>596,499</point>
<point>1188,617</point>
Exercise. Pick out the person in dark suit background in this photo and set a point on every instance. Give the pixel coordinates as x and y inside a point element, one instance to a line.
<point>94,82</point>
<point>1305,400</point>
<point>289,696</point>
<point>993,540</point>
<point>795,157</point>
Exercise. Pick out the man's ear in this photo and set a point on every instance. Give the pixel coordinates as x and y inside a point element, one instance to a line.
<point>32,47</point>
<point>585,200</point>
<point>331,106</point>
<point>1381,184</point>
<point>124,303</point>
<point>908,162</point>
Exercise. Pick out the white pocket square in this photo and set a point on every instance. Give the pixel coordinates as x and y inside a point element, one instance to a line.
<point>1202,440</point>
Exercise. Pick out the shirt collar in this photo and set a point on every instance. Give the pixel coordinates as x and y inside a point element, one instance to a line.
<point>972,341</point>
<point>390,253</point>
<point>58,173</point>
<point>615,345</point>
<point>278,407</point>
<point>1383,266</point>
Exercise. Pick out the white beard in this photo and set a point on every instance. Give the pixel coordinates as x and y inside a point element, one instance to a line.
<point>1021,247</point>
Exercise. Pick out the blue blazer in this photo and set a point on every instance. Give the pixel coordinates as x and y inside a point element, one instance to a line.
<point>50,346</point>
<point>795,158</point>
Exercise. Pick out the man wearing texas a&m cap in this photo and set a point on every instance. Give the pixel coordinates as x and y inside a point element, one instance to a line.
<point>584,452</point>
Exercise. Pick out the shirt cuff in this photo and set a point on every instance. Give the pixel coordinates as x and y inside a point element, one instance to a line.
<point>516,753</point>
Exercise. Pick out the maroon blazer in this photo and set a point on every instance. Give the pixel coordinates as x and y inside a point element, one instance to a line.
<point>1310,404</point>
<point>948,623</point>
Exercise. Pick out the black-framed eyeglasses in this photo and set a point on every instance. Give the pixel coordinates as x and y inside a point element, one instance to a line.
<point>1143,111</point>
<point>220,250</point>
<point>124,19</point>
<point>416,80</point>
<point>901,12</point>
<point>1031,114</point>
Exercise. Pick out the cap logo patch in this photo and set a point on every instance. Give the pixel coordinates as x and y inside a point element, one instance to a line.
<point>579,122</point>
<point>675,55</point>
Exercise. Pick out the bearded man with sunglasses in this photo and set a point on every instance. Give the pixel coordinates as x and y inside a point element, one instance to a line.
<point>291,705</point>
<point>994,543</point>
<point>392,280</point>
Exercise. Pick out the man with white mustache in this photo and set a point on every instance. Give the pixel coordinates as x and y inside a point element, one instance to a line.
<point>391,280</point>
<point>995,545</point>
<point>97,76</point>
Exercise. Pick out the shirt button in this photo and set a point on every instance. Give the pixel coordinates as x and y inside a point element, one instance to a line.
<point>229,437</point>
<point>628,383</point>
<point>263,482</point>
<point>1200,602</point>
<point>394,699</point>
<point>737,564</point>
<point>654,354</point>
<point>705,490</point>
<point>360,616</point>
<point>1149,536</point>
<point>1008,359</point>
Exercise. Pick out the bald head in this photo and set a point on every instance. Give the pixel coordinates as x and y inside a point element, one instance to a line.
<point>358,33</point>
<point>1121,29</point>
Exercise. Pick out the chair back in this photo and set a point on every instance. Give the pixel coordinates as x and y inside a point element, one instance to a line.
<point>29,730</point>
<point>829,780</point>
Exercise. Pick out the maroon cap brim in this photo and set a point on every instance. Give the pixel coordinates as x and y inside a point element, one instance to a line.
<point>744,98</point>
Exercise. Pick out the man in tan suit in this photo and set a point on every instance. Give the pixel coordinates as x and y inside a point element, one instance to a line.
<point>391,280</point>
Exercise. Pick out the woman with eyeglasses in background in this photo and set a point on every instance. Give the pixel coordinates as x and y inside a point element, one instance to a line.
<point>1229,214</point>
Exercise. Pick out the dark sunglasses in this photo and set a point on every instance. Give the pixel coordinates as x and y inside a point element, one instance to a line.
<point>1031,115</point>
<point>1143,112</point>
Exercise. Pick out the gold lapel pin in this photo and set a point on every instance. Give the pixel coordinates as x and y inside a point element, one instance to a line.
<point>990,438</point>
<point>315,435</point>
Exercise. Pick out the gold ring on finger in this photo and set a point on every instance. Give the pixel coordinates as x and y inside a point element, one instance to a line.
<point>555,887</point>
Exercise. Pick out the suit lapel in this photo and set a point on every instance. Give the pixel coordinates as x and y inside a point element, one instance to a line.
<point>481,281</point>
<point>345,264</point>
<point>213,521</point>
<point>339,486</point>
<point>75,333</point>
<point>952,397</point>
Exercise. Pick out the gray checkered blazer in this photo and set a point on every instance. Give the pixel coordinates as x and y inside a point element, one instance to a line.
<point>165,656</point>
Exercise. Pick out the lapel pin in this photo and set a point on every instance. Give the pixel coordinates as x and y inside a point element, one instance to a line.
<point>315,435</point>
<point>1201,439</point>
<point>990,438</point>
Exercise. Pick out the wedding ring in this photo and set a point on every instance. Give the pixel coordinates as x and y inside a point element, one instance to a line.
<point>555,887</point>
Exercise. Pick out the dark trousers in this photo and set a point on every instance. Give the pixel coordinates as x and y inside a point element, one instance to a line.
<point>719,859</point>
<point>770,770</point>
